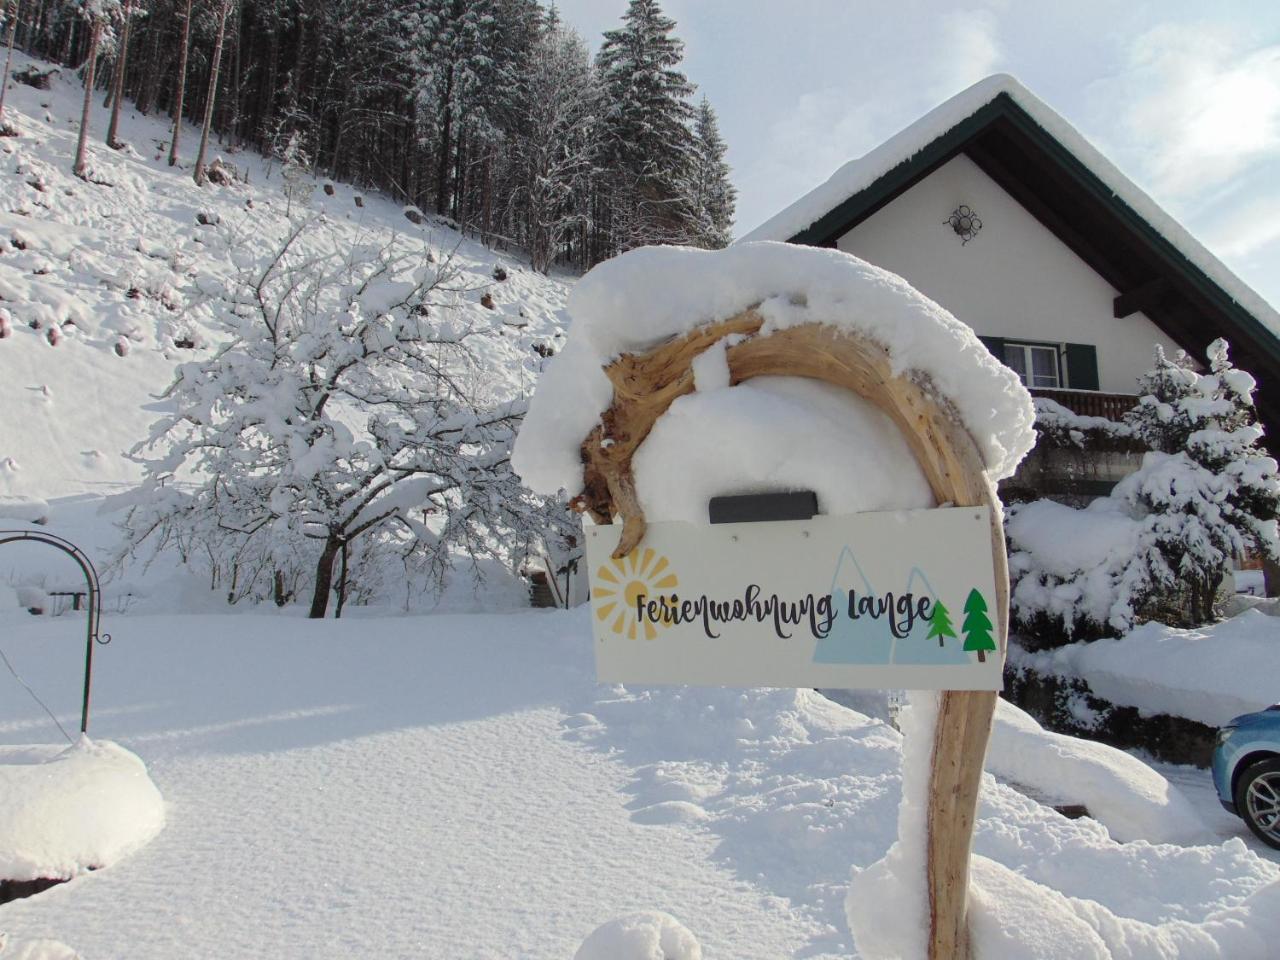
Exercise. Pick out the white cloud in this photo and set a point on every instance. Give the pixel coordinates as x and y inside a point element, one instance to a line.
<point>874,91</point>
<point>970,50</point>
<point>1204,107</point>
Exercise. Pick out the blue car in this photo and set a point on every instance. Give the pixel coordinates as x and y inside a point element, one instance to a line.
<point>1246,771</point>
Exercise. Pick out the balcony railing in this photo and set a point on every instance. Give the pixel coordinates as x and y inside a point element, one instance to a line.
<point>1091,403</point>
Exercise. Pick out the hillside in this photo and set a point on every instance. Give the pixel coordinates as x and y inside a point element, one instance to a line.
<point>106,286</point>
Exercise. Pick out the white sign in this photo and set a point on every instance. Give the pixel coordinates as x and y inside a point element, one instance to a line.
<point>904,599</point>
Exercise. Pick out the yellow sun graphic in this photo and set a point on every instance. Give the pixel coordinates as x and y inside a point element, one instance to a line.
<point>619,583</point>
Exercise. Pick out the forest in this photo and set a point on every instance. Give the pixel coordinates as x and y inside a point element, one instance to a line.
<point>492,113</point>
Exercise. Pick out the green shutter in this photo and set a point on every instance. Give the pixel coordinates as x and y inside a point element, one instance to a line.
<point>995,345</point>
<point>1082,366</point>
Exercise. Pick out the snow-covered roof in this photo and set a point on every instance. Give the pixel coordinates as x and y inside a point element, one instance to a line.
<point>860,174</point>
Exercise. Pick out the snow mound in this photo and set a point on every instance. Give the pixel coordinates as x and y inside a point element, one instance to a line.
<point>23,509</point>
<point>35,950</point>
<point>66,811</point>
<point>819,437</point>
<point>1121,792</point>
<point>648,295</point>
<point>649,935</point>
<point>1207,674</point>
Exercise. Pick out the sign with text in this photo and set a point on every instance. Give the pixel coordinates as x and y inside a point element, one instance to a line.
<point>902,599</point>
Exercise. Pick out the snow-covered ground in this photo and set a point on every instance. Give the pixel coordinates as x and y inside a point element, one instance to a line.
<point>460,786</point>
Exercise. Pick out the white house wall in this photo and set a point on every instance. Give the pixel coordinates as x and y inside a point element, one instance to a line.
<point>1014,280</point>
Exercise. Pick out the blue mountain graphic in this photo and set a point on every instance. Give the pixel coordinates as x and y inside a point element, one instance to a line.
<point>866,641</point>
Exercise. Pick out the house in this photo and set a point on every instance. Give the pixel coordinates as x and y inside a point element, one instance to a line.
<point>993,205</point>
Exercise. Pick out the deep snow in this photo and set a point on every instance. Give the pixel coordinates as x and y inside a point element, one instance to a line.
<point>461,786</point>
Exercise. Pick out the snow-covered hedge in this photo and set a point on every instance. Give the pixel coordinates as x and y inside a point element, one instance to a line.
<point>1207,674</point>
<point>1065,428</point>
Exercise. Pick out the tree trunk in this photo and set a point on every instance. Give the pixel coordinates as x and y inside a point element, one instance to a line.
<point>182,84</point>
<point>8,59</point>
<point>211,98</point>
<point>324,578</point>
<point>80,168</point>
<point>117,86</point>
<point>446,136</point>
<point>342,584</point>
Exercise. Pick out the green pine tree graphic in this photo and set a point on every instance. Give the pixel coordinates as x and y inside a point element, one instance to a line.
<point>940,623</point>
<point>977,626</point>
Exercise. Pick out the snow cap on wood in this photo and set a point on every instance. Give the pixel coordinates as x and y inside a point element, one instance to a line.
<point>646,296</point>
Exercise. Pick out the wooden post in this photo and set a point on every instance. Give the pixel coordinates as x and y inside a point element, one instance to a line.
<point>645,385</point>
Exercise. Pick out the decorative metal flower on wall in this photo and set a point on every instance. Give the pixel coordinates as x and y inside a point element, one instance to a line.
<point>964,222</point>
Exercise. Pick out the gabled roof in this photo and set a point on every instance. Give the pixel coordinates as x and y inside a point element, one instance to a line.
<point>1061,179</point>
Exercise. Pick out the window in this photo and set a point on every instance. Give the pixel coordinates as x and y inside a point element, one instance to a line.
<point>1036,364</point>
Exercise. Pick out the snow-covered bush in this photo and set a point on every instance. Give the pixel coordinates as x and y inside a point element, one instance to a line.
<point>335,430</point>
<point>1161,544</point>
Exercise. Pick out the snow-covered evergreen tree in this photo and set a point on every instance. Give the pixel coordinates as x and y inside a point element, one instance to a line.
<point>711,196</point>
<point>1209,493</point>
<point>646,141</point>
<point>1206,493</point>
<point>294,164</point>
<point>334,419</point>
<point>1161,419</point>
<point>551,145</point>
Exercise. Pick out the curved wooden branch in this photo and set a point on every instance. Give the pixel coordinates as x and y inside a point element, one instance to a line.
<point>645,385</point>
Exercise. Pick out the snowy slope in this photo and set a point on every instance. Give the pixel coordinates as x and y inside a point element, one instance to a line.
<point>97,265</point>
<point>460,787</point>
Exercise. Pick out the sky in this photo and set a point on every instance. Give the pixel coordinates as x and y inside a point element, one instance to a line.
<point>1184,97</point>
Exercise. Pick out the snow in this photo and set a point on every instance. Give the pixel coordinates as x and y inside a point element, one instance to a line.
<point>1208,674</point>
<point>776,433</point>
<point>858,174</point>
<point>651,294</point>
<point>42,949</point>
<point>1050,908</point>
<point>65,810</point>
<point>1121,792</point>
<point>1064,540</point>
<point>327,771</point>
<point>641,936</point>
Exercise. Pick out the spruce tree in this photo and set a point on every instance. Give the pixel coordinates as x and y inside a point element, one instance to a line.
<point>1160,418</point>
<point>712,196</point>
<point>1208,492</point>
<point>646,139</point>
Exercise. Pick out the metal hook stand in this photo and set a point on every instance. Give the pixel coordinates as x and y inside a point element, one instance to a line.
<point>94,605</point>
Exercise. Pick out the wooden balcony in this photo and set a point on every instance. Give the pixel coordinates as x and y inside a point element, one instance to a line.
<point>1091,403</point>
